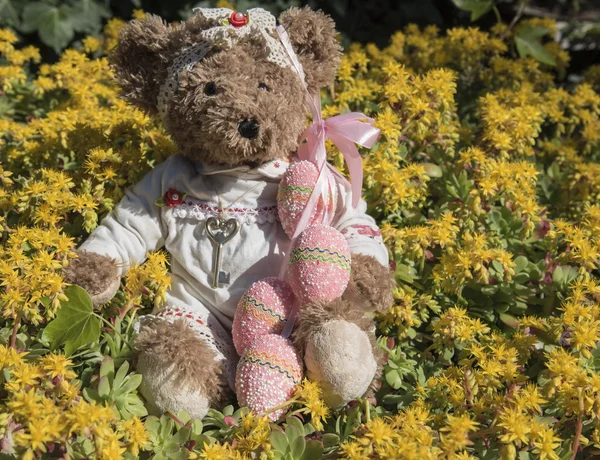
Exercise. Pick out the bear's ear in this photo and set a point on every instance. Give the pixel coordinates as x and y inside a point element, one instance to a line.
<point>140,60</point>
<point>313,37</point>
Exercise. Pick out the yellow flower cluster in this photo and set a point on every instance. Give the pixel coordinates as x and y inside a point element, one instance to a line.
<point>30,261</point>
<point>484,182</point>
<point>409,436</point>
<point>150,280</point>
<point>578,244</point>
<point>44,409</point>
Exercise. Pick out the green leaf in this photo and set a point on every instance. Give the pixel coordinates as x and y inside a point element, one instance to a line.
<point>181,436</point>
<point>529,44</point>
<point>131,383</point>
<point>313,450</point>
<point>292,433</point>
<point>331,439</point>
<point>9,12</point>
<point>295,422</point>
<point>432,170</point>
<point>393,379</point>
<point>107,368</point>
<point>521,263</point>
<point>279,441</point>
<point>477,7</point>
<point>120,376</point>
<point>297,447</point>
<point>87,16</point>
<point>53,23</point>
<point>509,320</point>
<point>75,324</point>
<point>103,387</point>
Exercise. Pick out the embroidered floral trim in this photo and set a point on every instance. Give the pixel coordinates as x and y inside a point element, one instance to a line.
<point>203,210</point>
<point>359,230</point>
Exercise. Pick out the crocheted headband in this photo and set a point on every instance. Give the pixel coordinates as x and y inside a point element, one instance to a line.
<point>233,27</point>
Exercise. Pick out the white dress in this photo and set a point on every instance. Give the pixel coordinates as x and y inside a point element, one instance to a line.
<point>137,226</point>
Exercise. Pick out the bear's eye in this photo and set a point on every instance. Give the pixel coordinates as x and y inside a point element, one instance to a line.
<point>264,87</point>
<point>210,89</point>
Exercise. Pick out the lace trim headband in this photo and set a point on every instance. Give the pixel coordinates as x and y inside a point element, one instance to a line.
<point>233,27</point>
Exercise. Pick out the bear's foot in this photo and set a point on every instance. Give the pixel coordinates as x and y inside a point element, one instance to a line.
<point>179,369</point>
<point>339,356</point>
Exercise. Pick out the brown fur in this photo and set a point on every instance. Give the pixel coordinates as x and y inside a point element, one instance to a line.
<point>144,51</point>
<point>194,361</point>
<point>205,127</point>
<point>315,314</point>
<point>371,284</point>
<point>314,40</point>
<point>93,272</point>
<point>370,290</point>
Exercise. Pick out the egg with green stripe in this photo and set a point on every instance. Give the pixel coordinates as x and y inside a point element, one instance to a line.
<point>319,264</point>
<point>295,189</point>
<point>263,309</point>
<point>267,375</point>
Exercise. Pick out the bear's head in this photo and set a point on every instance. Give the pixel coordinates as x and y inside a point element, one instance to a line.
<point>227,95</point>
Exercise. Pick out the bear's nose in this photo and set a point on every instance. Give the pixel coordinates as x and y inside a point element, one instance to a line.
<point>248,129</point>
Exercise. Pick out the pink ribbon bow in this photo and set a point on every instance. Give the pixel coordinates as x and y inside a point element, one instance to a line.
<point>345,131</point>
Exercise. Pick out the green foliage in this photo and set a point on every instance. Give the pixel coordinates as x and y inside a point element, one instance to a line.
<point>76,325</point>
<point>528,43</point>
<point>118,390</point>
<point>55,22</point>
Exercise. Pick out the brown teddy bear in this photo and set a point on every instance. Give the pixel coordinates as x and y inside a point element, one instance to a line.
<point>227,93</point>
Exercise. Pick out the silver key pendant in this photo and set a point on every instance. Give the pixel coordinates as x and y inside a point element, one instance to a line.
<point>220,231</point>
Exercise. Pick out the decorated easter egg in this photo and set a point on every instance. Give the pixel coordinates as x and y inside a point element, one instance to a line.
<point>263,309</point>
<point>319,265</point>
<point>267,375</point>
<point>295,189</point>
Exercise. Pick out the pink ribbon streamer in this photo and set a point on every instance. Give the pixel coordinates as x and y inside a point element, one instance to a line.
<point>345,131</point>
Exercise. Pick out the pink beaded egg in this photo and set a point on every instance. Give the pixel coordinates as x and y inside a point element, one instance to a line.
<point>295,189</point>
<point>319,265</point>
<point>267,375</point>
<point>263,309</point>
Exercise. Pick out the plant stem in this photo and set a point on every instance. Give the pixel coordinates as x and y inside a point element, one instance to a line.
<point>579,428</point>
<point>368,410</point>
<point>127,308</point>
<point>175,419</point>
<point>108,323</point>
<point>497,13</point>
<point>13,337</point>
<point>289,402</point>
<point>516,18</point>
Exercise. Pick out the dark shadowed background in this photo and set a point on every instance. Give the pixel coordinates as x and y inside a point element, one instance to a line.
<point>55,24</point>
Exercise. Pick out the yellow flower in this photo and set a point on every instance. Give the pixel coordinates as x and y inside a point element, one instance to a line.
<point>548,445</point>
<point>57,365</point>
<point>135,435</point>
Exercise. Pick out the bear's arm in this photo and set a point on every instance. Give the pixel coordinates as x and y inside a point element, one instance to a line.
<point>359,229</point>
<point>134,227</point>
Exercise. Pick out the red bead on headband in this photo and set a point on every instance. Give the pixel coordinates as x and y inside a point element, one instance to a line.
<point>237,19</point>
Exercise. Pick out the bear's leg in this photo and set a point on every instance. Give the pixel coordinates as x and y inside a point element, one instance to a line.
<point>339,350</point>
<point>180,369</point>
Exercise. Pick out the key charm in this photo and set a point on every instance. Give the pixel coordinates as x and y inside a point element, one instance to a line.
<point>220,231</point>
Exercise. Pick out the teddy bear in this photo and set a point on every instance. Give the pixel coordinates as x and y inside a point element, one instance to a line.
<point>228,94</point>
